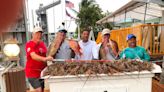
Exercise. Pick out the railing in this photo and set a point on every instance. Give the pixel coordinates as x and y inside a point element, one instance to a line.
<point>151,37</point>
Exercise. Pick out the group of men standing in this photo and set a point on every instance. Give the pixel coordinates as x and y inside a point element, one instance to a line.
<point>85,49</point>
<point>107,50</point>
<point>61,49</point>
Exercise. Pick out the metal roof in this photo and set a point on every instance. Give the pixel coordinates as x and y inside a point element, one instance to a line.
<point>136,9</point>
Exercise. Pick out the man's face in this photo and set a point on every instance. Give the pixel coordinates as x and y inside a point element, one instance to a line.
<point>106,38</point>
<point>37,36</point>
<point>132,42</point>
<point>62,35</point>
<point>85,36</point>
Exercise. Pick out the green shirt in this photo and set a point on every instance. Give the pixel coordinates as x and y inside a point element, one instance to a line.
<point>135,53</point>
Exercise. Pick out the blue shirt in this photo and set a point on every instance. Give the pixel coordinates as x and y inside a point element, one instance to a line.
<point>135,53</point>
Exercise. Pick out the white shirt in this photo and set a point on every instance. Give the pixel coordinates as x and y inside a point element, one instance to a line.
<point>89,50</point>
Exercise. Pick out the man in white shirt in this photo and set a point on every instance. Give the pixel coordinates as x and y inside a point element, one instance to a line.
<point>88,47</point>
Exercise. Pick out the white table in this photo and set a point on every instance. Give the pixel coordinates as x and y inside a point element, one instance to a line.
<point>122,82</point>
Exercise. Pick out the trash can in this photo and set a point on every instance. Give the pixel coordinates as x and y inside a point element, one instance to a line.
<point>1,79</point>
<point>15,80</point>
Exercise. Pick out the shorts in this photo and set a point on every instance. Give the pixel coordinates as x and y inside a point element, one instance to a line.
<point>36,82</point>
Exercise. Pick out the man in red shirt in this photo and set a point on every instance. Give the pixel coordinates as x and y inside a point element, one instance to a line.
<point>36,60</point>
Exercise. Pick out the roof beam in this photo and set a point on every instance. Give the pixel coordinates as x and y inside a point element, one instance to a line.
<point>38,11</point>
<point>144,13</point>
<point>159,2</point>
<point>130,7</point>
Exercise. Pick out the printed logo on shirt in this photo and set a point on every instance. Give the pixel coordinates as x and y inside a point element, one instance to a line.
<point>41,50</point>
<point>28,49</point>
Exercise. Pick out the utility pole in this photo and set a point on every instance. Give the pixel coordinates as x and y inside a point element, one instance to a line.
<point>25,19</point>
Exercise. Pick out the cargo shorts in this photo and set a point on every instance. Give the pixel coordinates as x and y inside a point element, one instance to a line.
<point>36,82</point>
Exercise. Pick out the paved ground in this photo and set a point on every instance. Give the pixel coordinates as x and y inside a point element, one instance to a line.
<point>33,91</point>
<point>157,87</point>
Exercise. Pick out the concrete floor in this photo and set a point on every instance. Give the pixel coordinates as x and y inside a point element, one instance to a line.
<point>157,87</point>
<point>34,91</point>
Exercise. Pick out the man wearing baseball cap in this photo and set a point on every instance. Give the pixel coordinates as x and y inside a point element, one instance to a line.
<point>108,48</point>
<point>60,47</point>
<point>36,59</point>
<point>133,51</point>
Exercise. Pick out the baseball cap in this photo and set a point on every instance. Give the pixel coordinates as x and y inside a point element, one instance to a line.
<point>106,31</point>
<point>130,36</point>
<point>63,30</point>
<point>37,29</point>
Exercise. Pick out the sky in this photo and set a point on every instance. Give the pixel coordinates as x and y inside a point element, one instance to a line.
<point>110,5</point>
<point>105,5</point>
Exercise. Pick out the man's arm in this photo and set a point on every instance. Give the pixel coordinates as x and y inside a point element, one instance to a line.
<point>40,58</point>
<point>115,48</point>
<point>102,54</point>
<point>95,51</point>
<point>146,55</point>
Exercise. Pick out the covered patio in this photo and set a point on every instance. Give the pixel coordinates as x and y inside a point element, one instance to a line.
<point>146,11</point>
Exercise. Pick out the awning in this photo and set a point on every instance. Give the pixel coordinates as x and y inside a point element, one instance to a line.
<point>136,9</point>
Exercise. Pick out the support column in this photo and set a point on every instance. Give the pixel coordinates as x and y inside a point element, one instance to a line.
<point>125,20</point>
<point>162,20</point>
<point>145,13</point>
<point>162,33</point>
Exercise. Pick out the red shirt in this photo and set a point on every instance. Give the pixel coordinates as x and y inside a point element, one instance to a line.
<point>33,68</point>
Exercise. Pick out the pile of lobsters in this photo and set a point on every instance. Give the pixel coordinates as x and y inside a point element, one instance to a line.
<point>96,67</point>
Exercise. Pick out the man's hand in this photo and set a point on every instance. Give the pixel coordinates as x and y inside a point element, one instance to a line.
<point>48,58</point>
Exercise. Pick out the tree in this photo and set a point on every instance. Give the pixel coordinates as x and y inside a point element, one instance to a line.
<point>107,25</point>
<point>89,13</point>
